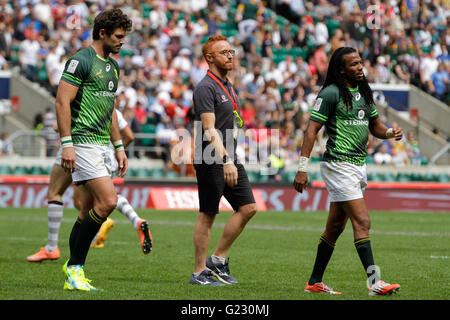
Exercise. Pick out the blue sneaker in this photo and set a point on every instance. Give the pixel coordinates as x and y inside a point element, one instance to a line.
<point>221,271</point>
<point>204,278</point>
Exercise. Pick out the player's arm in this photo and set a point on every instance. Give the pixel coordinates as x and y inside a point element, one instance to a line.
<point>65,95</point>
<point>229,169</point>
<point>119,147</point>
<point>379,130</point>
<point>127,136</point>
<point>301,178</point>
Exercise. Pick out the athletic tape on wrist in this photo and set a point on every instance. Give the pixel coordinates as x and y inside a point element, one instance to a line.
<point>390,133</point>
<point>303,164</point>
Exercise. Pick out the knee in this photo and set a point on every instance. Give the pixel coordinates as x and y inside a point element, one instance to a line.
<point>362,223</point>
<point>107,205</point>
<point>248,211</point>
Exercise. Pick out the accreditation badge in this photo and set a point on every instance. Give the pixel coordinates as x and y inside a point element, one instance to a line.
<point>238,123</point>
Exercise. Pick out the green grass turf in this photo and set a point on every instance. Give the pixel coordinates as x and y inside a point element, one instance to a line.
<point>272,259</point>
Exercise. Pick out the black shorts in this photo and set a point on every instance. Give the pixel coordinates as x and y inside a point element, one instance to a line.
<point>211,187</point>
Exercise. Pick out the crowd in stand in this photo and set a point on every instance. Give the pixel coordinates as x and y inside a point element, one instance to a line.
<point>402,41</point>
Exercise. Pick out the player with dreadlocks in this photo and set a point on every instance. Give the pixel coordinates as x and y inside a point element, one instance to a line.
<point>346,108</point>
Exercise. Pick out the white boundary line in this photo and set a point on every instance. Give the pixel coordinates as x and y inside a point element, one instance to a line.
<point>249,226</point>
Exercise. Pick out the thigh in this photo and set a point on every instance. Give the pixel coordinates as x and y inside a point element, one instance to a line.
<point>337,219</point>
<point>101,189</point>
<point>60,180</point>
<point>210,184</point>
<point>83,200</point>
<point>241,194</point>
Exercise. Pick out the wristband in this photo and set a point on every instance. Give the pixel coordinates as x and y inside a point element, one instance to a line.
<point>228,162</point>
<point>66,142</point>
<point>390,133</point>
<point>118,145</point>
<point>303,164</point>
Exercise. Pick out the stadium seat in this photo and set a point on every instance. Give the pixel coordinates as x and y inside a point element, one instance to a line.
<point>289,176</point>
<point>4,170</point>
<point>262,177</point>
<point>36,170</point>
<point>171,175</point>
<point>252,176</point>
<point>157,173</point>
<point>20,170</point>
<point>142,173</point>
<point>430,177</point>
<point>402,177</point>
<point>443,178</point>
<point>131,172</point>
<point>371,176</point>
<point>416,177</point>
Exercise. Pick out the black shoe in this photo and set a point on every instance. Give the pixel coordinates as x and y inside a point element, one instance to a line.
<point>221,271</point>
<point>204,278</point>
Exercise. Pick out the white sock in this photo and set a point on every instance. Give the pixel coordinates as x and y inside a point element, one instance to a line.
<point>217,260</point>
<point>55,214</point>
<point>127,210</point>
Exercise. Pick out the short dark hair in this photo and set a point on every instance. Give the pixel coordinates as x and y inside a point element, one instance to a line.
<point>110,20</point>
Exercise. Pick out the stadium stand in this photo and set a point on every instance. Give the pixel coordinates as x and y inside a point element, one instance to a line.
<point>283,49</point>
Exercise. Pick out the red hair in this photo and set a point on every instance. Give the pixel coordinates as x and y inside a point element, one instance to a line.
<point>208,44</point>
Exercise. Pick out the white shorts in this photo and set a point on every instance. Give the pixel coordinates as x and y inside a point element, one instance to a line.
<point>92,161</point>
<point>344,181</point>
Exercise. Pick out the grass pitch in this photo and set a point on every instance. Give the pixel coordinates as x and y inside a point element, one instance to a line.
<point>272,259</point>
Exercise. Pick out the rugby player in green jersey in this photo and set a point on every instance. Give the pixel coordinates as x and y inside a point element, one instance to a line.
<point>87,123</point>
<point>346,108</point>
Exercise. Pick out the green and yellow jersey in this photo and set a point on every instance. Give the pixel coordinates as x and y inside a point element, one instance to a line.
<point>347,129</point>
<point>91,110</point>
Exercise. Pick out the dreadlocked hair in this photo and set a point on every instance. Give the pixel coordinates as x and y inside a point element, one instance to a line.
<point>335,77</point>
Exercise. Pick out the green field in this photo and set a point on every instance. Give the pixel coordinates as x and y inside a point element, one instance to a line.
<point>272,259</point>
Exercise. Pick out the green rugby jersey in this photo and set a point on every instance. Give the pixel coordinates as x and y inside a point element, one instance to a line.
<point>91,110</point>
<point>347,131</point>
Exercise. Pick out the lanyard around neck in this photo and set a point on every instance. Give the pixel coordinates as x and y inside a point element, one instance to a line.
<point>233,100</point>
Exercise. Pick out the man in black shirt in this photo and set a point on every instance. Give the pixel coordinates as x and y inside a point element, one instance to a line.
<point>218,172</point>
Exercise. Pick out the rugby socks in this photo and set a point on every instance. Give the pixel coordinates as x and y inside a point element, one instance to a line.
<point>324,252</point>
<point>87,231</point>
<point>127,210</point>
<point>74,234</point>
<point>364,250</point>
<point>55,214</point>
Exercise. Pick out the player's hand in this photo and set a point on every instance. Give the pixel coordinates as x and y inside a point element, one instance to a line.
<point>398,134</point>
<point>68,159</point>
<point>301,181</point>
<point>122,162</point>
<point>230,174</point>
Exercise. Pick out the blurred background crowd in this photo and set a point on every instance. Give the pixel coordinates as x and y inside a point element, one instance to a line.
<point>282,56</point>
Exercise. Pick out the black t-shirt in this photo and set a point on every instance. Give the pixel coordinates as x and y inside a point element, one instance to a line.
<point>209,97</point>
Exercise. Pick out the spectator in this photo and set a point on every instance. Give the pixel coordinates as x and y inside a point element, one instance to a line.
<point>6,149</point>
<point>28,56</point>
<point>412,148</point>
<point>399,159</point>
<point>382,157</point>
<point>439,83</point>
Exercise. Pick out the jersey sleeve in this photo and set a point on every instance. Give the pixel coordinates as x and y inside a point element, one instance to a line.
<point>373,112</point>
<point>75,71</point>
<point>326,101</point>
<point>203,100</point>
